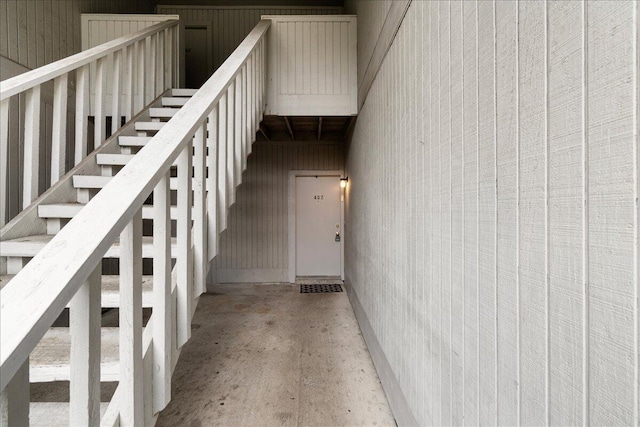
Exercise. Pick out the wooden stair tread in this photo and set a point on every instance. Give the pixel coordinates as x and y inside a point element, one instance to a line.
<point>149,126</point>
<point>97,181</point>
<point>54,414</point>
<point>110,290</point>
<point>29,246</point>
<point>162,112</point>
<point>49,361</point>
<point>69,210</point>
<point>133,141</point>
<point>173,101</point>
<point>183,92</point>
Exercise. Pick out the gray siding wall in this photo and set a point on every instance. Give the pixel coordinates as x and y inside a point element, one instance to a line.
<point>254,248</point>
<point>492,214</point>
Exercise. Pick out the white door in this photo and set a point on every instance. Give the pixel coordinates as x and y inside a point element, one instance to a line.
<point>318,226</point>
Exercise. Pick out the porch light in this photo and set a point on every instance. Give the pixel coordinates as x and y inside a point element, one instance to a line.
<point>343,182</point>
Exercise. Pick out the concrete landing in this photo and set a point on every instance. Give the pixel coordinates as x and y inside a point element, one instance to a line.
<point>266,355</point>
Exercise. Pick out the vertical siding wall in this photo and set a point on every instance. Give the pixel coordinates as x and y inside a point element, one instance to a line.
<point>492,214</point>
<point>231,24</point>
<point>254,248</point>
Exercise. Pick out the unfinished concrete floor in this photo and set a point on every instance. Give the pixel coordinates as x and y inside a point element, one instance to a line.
<point>267,355</point>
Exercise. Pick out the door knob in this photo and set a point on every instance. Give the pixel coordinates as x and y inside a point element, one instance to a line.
<point>337,236</point>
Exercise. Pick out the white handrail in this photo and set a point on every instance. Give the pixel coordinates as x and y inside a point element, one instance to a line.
<point>52,278</point>
<point>33,78</point>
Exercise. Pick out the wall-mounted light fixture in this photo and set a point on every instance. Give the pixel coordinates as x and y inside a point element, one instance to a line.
<point>343,182</point>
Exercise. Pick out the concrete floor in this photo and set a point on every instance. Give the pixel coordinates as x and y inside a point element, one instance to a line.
<point>267,355</point>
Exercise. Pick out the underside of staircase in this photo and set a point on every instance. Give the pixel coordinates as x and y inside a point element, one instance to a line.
<point>50,361</point>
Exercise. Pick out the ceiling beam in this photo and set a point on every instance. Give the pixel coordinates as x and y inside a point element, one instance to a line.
<point>286,120</point>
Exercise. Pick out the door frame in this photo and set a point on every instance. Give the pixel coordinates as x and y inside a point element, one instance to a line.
<point>209,27</point>
<point>292,217</point>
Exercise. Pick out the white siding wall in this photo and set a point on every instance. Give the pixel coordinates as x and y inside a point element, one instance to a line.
<point>231,24</point>
<point>492,214</point>
<point>254,248</point>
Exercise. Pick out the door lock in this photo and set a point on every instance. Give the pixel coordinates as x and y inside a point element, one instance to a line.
<point>337,236</point>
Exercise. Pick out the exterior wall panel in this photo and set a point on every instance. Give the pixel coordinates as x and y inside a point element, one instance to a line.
<point>491,212</point>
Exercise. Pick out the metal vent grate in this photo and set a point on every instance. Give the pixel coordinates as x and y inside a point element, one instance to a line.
<point>319,289</point>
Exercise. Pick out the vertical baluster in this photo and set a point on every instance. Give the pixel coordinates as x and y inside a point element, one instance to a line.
<point>238,131</point>
<point>100,101</point>
<point>199,212</point>
<point>14,399</point>
<point>4,164</point>
<point>245,122</point>
<point>115,91</point>
<point>222,163</point>
<point>184,259</point>
<point>231,164</point>
<point>169,58</point>
<point>261,79</point>
<point>59,128</point>
<point>31,146</point>
<point>141,69</point>
<point>129,83</point>
<point>160,67</point>
<point>251,104</point>
<point>212,183</point>
<point>161,295</point>
<point>84,325</point>
<point>131,378</point>
<point>256,70</point>
<point>153,67</point>
<point>82,112</point>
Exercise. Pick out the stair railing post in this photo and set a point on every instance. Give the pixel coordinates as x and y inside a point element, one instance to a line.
<point>238,132</point>
<point>82,112</point>
<point>153,67</point>
<point>200,259</point>
<point>245,128</point>
<point>162,304</point>
<point>131,365</point>
<point>141,70</point>
<point>184,259</point>
<point>231,169</point>
<point>115,91</point>
<point>14,399</point>
<point>31,146</point>
<point>84,326</point>
<point>4,162</point>
<point>168,58</point>
<point>212,183</point>
<point>160,66</point>
<point>99,129</point>
<point>222,164</point>
<point>129,83</point>
<point>252,102</point>
<point>59,128</point>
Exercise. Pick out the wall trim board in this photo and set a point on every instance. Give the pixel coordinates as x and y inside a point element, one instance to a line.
<point>291,222</point>
<point>392,389</point>
<point>253,275</point>
<point>390,28</point>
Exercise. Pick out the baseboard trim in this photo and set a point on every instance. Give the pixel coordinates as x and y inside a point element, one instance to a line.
<point>395,396</point>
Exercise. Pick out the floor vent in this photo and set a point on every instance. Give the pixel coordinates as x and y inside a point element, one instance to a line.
<point>319,289</point>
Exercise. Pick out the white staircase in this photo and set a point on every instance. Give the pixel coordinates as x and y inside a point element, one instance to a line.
<point>175,165</point>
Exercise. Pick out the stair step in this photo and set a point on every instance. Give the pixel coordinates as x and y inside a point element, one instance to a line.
<point>174,101</point>
<point>113,159</point>
<point>163,112</point>
<point>149,126</point>
<point>69,210</point>
<point>133,141</point>
<point>29,246</point>
<point>183,92</point>
<point>47,414</point>
<point>49,361</point>
<point>96,181</point>
<point>110,290</point>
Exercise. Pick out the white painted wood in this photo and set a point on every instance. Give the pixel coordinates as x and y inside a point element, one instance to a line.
<point>82,112</point>
<point>239,133</point>
<point>232,174</point>
<point>289,76</point>
<point>129,82</point>
<point>84,326</point>
<point>200,233</point>
<point>213,191</point>
<point>162,344</point>
<point>141,70</point>
<point>99,125</point>
<point>4,162</point>
<point>184,254</point>
<point>31,170</point>
<point>14,399</point>
<point>244,124</point>
<point>222,164</point>
<point>131,380</point>
<point>116,101</point>
<point>153,63</point>
<point>59,128</point>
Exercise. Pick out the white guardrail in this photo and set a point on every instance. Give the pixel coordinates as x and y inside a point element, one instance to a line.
<point>213,132</point>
